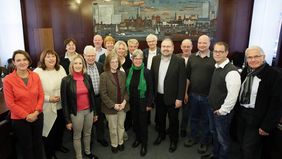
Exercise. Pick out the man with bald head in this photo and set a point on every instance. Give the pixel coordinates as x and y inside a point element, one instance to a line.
<point>168,72</point>
<point>94,69</point>
<point>186,47</point>
<point>200,67</point>
<point>98,41</point>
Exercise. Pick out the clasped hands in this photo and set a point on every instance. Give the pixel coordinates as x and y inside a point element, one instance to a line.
<point>119,107</point>
<point>32,117</point>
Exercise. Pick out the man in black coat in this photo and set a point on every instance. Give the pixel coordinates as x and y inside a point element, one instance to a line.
<point>168,73</point>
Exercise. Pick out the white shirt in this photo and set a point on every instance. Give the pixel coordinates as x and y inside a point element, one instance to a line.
<point>151,54</point>
<point>233,84</point>
<point>99,53</point>
<point>254,91</point>
<point>162,73</point>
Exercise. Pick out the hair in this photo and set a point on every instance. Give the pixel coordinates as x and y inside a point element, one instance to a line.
<point>26,55</point>
<point>89,48</point>
<point>186,40</point>
<point>107,66</point>
<point>43,55</point>
<point>132,41</point>
<point>226,46</point>
<point>68,40</point>
<point>109,39</point>
<point>254,47</point>
<point>118,43</point>
<point>168,39</point>
<point>72,63</point>
<point>136,53</point>
<point>151,36</point>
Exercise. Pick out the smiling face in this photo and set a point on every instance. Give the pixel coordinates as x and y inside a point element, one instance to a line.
<point>90,57</point>
<point>255,58</point>
<point>186,47</point>
<point>21,62</point>
<point>77,65</point>
<point>132,47</point>
<point>152,43</point>
<point>50,61</point>
<point>98,41</point>
<point>203,43</point>
<point>114,64</point>
<point>109,45</point>
<point>167,48</point>
<point>220,53</point>
<point>70,47</point>
<point>121,50</point>
<point>137,61</point>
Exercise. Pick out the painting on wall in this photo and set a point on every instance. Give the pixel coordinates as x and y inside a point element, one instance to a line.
<point>177,19</point>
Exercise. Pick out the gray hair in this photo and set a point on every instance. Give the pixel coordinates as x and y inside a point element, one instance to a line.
<point>254,47</point>
<point>152,36</point>
<point>136,53</point>
<point>89,48</point>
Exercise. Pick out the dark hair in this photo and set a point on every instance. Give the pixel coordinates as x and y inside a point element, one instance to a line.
<point>43,54</point>
<point>26,55</point>
<point>68,40</point>
<point>226,46</point>
<point>108,60</point>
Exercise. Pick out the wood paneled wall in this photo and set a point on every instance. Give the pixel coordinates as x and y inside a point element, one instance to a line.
<point>70,20</point>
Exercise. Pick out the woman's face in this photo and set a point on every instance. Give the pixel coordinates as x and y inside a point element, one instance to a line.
<point>137,61</point>
<point>121,50</point>
<point>109,45</point>
<point>77,65</point>
<point>21,62</point>
<point>70,47</point>
<point>50,61</point>
<point>114,64</point>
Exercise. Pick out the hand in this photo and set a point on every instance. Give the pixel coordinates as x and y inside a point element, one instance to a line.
<point>69,126</point>
<point>216,112</point>
<point>32,117</point>
<point>263,133</point>
<point>54,99</point>
<point>148,109</point>
<point>95,118</point>
<point>186,98</point>
<point>178,103</point>
<point>117,107</point>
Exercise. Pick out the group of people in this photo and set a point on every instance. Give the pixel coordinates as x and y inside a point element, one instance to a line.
<point>121,84</point>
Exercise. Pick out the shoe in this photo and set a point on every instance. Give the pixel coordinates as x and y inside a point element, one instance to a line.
<point>121,147</point>
<point>103,142</point>
<point>202,148</point>
<point>63,149</point>
<point>183,133</point>
<point>143,150</point>
<point>114,149</point>
<point>208,156</point>
<point>172,147</point>
<point>190,142</point>
<point>135,144</point>
<point>158,140</point>
<point>91,156</point>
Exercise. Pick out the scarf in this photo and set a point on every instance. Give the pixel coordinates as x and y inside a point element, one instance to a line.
<point>142,86</point>
<point>247,86</point>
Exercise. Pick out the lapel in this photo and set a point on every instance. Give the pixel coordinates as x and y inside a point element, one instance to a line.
<point>170,66</point>
<point>111,77</point>
<point>158,61</point>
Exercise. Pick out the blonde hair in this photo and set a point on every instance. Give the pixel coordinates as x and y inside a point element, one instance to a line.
<point>132,41</point>
<point>118,43</point>
<point>72,63</point>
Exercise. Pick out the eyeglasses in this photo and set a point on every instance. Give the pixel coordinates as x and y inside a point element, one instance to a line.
<point>256,57</point>
<point>218,52</point>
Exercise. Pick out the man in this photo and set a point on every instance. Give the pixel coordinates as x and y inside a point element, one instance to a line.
<point>168,72</point>
<point>132,44</point>
<point>94,69</point>
<point>186,47</point>
<point>224,90</point>
<point>98,41</point>
<point>260,107</point>
<point>200,68</point>
<point>153,50</point>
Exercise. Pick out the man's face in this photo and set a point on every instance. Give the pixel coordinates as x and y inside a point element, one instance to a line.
<point>152,43</point>
<point>98,41</point>
<point>186,47</point>
<point>167,48</point>
<point>90,57</point>
<point>203,43</point>
<point>219,54</point>
<point>254,58</point>
<point>132,47</point>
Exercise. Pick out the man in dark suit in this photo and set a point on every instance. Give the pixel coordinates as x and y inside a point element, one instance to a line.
<point>168,72</point>
<point>94,69</point>
<point>260,105</point>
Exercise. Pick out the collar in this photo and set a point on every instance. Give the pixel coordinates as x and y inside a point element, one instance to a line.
<point>208,55</point>
<point>223,64</point>
<point>66,55</point>
<point>165,58</point>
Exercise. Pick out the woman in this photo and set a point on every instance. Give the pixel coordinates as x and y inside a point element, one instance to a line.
<point>70,45</point>
<point>120,49</point>
<point>51,75</point>
<point>114,100</point>
<point>24,96</point>
<point>78,102</point>
<point>109,43</point>
<point>139,86</point>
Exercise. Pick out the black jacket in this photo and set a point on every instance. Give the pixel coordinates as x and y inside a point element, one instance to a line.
<point>68,95</point>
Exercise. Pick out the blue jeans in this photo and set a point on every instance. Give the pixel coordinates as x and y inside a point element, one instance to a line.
<point>200,112</point>
<point>221,135</point>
